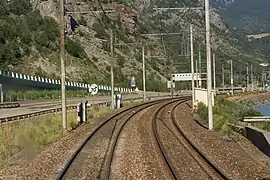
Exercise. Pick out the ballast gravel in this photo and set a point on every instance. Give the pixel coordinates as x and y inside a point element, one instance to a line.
<point>226,154</point>
<point>188,164</point>
<point>136,156</point>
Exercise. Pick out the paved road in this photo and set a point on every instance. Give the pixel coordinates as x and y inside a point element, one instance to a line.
<point>35,106</point>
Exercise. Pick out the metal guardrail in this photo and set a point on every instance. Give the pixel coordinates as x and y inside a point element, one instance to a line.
<point>10,119</point>
<point>33,114</point>
<point>46,111</point>
<point>9,105</point>
<point>257,117</point>
<point>251,119</point>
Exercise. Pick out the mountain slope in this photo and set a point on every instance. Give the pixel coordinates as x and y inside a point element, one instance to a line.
<point>249,23</point>
<point>248,15</point>
<point>88,53</point>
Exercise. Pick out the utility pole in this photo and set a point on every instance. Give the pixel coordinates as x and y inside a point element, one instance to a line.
<point>182,48</point>
<point>263,78</point>
<point>171,84</point>
<point>200,66</point>
<point>170,73</point>
<point>251,74</point>
<point>208,58</point>
<point>143,66</point>
<point>192,65</point>
<point>188,44</point>
<point>62,58</point>
<point>197,78</point>
<point>162,34</point>
<point>232,77</point>
<point>63,69</point>
<point>112,64</point>
<point>1,94</point>
<point>247,78</point>
<point>223,80</point>
<point>214,73</point>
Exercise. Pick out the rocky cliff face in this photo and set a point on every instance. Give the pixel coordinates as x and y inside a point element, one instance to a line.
<point>93,35</point>
<point>129,22</point>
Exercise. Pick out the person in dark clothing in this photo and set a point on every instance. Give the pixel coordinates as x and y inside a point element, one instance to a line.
<point>72,25</point>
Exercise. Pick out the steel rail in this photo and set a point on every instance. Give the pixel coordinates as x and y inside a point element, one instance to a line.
<point>111,155</point>
<point>195,147</point>
<point>9,105</point>
<point>75,154</point>
<point>158,139</point>
<point>176,135</point>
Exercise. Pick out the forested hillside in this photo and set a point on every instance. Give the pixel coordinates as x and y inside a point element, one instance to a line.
<point>24,32</point>
<point>249,16</point>
<point>29,40</point>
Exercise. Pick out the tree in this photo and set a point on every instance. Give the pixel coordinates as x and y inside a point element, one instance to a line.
<point>3,8</point>
<point>20,7</point>
<point>41,38</point>
<point>75,49</point>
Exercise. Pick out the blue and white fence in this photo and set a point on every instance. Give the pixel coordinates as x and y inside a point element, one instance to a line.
<point>47,83</point>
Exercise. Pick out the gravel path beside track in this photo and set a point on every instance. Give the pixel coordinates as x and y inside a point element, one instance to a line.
<point>48,163</point>
<point>93,161</point>
<point>135,155</point>
<point>226,154</point>
<point>187,162</point>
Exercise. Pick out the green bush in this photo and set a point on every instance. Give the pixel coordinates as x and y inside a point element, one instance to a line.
<point>75,49</point>
<point>227,111</point>
<point>219,121</point>
<point>82,21</point>
<point>266,126</point>
<point>19,7</point>
<point>41,38</point>
<point>22,28</point>
<point>43,94</point>
<point>100,31</point>
<point>203,110</point>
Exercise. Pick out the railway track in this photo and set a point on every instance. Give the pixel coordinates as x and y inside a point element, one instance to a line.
<point>165,118</point>
<point>102,169</point>
<point>196,149</point>
<point>160,145</point>
<point>95,156</point>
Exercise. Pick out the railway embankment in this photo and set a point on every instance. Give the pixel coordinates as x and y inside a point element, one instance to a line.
<point>24,140</point>
<point>156,140</point>
<point>230,111</point>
